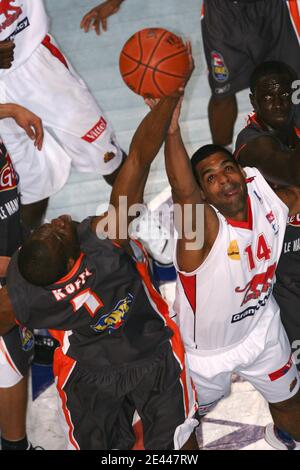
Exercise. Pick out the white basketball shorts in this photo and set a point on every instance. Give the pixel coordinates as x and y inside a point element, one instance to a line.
<point>269,367</point>
<point>76,131</point>
<point>9,373</point>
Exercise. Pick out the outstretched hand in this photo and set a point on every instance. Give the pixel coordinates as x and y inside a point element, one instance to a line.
<point>31,124</point>
<point>99,15</point>
<point>152,102</point>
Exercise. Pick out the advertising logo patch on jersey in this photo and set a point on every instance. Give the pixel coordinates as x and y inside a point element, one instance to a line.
<point>114,319</point>
<point>272,220</point>
<point>294,220</point>
<point>9,13</point>
<point>27,338</point>
<point>219,69</point>
<point>233,250</point>
<point>260,283</point>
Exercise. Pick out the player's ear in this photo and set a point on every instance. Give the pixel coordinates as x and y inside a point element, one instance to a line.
<point>202,194</point>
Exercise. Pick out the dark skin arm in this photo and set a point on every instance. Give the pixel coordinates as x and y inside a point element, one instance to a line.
<point>291,197</point>
<point>98,16</point>
<point>185,190</point>
<point>7,317</point>
<point>110,179</point>
<point>277,166</point>
<point>6,54</point>
<point>27,120</point>
<point>132,177</point>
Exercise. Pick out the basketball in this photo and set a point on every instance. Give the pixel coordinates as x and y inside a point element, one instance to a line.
<point>154,62</point>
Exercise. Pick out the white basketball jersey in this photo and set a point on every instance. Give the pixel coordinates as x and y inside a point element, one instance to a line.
<point>221,302</point>
<point>26,23</point>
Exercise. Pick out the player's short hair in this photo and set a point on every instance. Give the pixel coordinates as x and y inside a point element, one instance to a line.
<point>272,67</point>
<point>39,265</point>
<point>206,151</point>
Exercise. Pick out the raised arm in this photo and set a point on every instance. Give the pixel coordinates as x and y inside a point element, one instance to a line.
<point>277,166</point>
<point>132,177</point>
<point>186,192</point>
<point>7,317</point>
<point>99,15</point>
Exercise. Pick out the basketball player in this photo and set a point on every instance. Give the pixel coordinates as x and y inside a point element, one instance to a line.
<point>37,75</point>
<point>270,142</point>
<point>263,30</point>
<point>227,314</point>
<point>118,343</point>
<point>16,347</point>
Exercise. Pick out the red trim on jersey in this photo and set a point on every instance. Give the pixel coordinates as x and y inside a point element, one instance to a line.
<point>139,436</point>
<point>189,287</point>
<point>247,224</point>
<point>62,368</point>
<point>297,132</point>
<point>202,11</point>
<point>295,17</point>
<point>7,356</point>
<point>238,151</point>
<point>71,273</point>
<point>163,308</point>
<point>54,50</point>
<point>281,372</point>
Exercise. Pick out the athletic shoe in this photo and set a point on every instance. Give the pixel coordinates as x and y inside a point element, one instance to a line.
<point>152,229</point>
<point>279,439</point>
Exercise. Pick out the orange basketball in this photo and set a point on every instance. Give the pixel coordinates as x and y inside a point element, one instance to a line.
<point>154,62</point>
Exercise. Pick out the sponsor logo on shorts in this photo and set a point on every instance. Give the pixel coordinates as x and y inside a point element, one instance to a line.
<point>219,69</point>
<point>10,12</point>
<point>281,372</point>
<point>293,384</point>
<point>222,89</point>
<point>27,338</point>
<point>233,251</point>
<point>250,311</point>
<point>114,319</point>
<point>94,133</point>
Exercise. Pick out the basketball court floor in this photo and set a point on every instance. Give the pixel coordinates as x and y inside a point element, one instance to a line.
<point>238,421</point>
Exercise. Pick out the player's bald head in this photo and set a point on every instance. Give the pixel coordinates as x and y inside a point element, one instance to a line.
<point>41,262</point>
<point>270,69</point>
